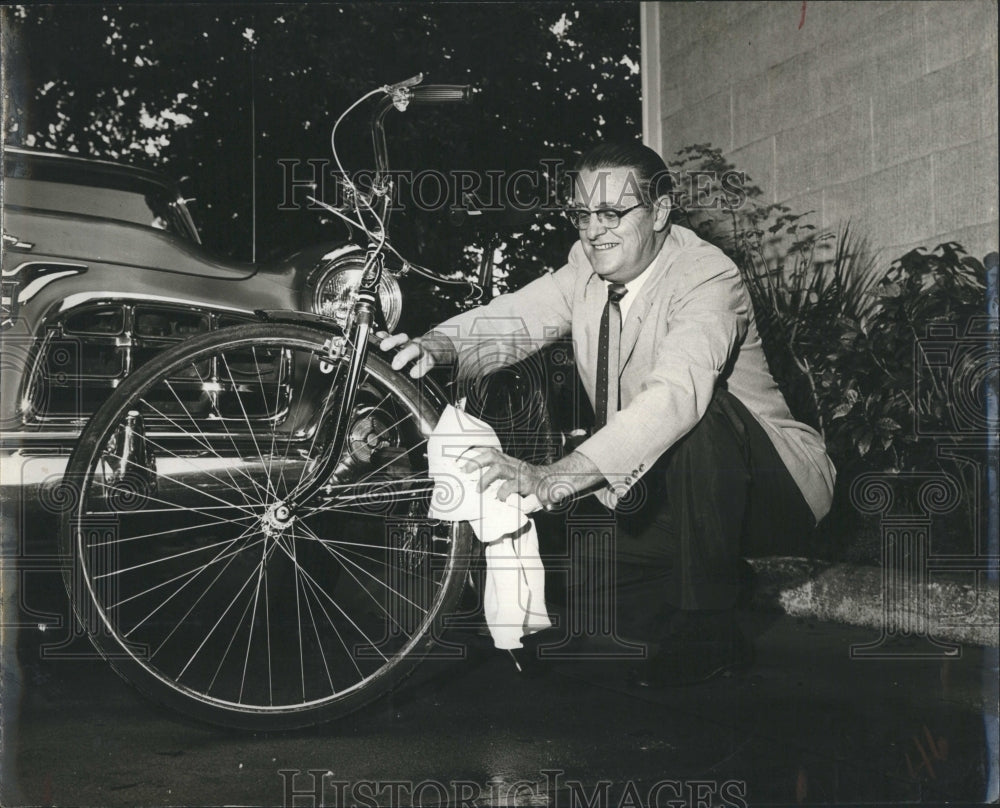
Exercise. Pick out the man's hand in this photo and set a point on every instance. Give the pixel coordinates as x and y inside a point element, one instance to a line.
<point>572,475</point>
<point>519,477</point>
<point>425,352</point>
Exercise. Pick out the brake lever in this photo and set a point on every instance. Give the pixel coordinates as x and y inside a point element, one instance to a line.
<point>400,92</point>
<point>413,81</point>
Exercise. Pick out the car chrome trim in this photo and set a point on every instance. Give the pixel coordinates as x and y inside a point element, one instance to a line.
<point>110,297</point>
<point>127,343</point>
<point>38,469</point>
<point>14,243</point>
<point>44,273</point>
<point>12,437</point>
<point>38,284</point>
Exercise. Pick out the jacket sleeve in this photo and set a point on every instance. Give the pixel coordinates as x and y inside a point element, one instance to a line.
<point>514,325</point>
<point>704,326</point>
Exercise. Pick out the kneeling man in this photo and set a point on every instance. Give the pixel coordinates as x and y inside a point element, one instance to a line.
<point>694,447</point>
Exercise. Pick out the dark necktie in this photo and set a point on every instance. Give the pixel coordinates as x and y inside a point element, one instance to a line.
<point>607,354</point>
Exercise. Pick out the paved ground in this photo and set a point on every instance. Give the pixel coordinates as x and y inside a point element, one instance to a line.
<point>807,725</point>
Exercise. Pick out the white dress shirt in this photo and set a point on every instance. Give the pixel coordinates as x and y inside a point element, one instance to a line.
<point>633,287</point>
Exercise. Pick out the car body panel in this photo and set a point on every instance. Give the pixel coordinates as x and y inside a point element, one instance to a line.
<point>114,243</point>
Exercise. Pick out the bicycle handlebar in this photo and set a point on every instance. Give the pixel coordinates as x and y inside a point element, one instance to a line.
<point>441,94</point>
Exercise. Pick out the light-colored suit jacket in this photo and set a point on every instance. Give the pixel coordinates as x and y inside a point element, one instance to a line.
<point>690,328</point>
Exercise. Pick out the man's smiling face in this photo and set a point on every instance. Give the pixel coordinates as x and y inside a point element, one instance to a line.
<point>619,254</point>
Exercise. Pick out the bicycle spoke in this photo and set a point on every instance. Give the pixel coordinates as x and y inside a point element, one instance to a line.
<point>383,493</point>
<point>267,627</point>
<point>342,543</point>
<point>205,443</point>
<point>246,418</point>
<point>190,580</point>
<point>175,509</point>
<point>315,627</point>
<point>190,574</point>
<point>365,481</point>
<point>342,557</point>
<point>253,616</point>
<point>284,458</point>
<point>229,646</point>
<point>162,560</point>
<point>366,557</point>
<point>346,616</point>
<point>161,533</point>
<point>277,400</point>
<point>183,485</point>
<point>307,581</point>
<point>211,631</point>
<point>298,622</point>
<point>193,465</point>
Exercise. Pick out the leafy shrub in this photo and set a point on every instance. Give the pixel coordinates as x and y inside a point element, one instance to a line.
<point>869,385</point>
<point>843,335</point>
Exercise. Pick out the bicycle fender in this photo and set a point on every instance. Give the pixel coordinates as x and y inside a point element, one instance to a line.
<point>291,317</point>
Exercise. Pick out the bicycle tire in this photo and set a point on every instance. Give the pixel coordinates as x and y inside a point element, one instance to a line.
<point>192,457</point>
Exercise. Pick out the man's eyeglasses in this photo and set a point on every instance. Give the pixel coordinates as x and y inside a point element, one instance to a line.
<point>608,217</point>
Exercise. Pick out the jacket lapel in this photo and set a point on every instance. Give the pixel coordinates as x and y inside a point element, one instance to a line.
<point>633,324</point>
<point>651,292</point>
<point>591,307</point>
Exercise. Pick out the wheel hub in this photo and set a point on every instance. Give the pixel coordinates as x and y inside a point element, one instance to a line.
<point>276,519</point>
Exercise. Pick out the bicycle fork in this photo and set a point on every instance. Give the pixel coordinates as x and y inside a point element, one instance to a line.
<point>338,405</point>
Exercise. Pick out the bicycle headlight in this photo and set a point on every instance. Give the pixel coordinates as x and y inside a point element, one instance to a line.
<point>337,289</point>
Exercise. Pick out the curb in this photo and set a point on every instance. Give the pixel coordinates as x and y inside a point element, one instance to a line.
<point>940,608</point>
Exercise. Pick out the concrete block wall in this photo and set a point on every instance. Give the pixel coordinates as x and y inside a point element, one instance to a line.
<point>884,113</point>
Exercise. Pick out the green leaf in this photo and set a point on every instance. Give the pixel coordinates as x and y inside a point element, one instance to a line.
<point>842,410</point>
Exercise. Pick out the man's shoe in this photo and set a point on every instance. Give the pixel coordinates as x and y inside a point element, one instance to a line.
<point>687,658</point>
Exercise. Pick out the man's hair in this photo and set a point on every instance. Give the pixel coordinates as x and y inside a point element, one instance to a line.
<point>650,171</point>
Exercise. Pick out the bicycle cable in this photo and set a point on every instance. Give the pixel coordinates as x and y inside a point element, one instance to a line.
<point>476,291</point>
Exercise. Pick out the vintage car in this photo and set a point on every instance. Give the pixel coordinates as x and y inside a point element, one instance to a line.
<point>102,268</point>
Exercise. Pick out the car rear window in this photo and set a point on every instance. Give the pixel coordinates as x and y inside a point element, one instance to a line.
<point>89,201</point>
<point>76,190</point>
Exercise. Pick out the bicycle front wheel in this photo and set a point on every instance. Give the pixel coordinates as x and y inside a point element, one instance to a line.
<point>194,585</point>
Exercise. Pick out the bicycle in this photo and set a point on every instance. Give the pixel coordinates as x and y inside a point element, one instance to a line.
<point>249,526</point>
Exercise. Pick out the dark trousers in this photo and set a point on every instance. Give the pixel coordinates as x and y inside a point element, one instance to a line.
<point>718,495</point>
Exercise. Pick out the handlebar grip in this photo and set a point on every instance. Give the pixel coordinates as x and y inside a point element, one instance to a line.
<point>441,94</point>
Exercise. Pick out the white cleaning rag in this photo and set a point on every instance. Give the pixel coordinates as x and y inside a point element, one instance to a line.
<point>514,595</point>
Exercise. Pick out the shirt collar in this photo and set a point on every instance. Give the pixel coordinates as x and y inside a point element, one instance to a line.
<point>633,286</point>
